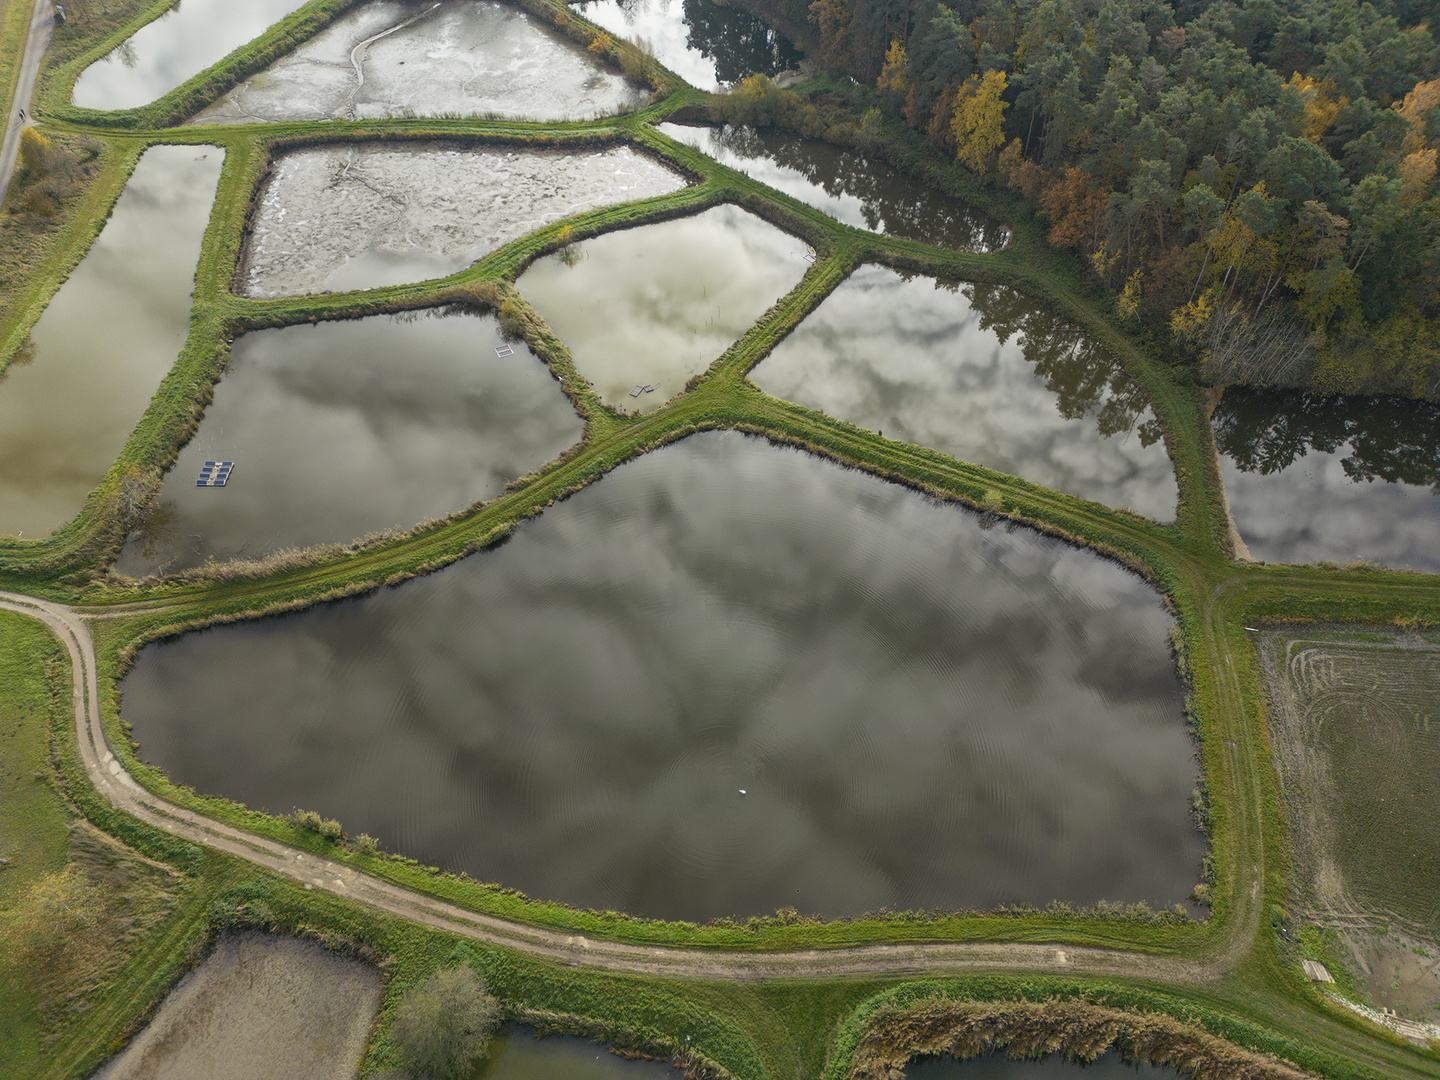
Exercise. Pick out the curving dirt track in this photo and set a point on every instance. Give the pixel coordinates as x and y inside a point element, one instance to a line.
<point>42,26</point>
<point>125,793</point>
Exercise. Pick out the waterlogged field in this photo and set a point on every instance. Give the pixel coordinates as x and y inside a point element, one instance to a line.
<point>983,373</point>
<point>851,188</point>
<point>728,678</point>
<point>342,429</point>
<point>359,217</point>
<point>71,397</point>
<point>465,57</point>
<point>652,306</point>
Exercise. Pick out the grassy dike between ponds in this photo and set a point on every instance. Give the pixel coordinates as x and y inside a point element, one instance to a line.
<point>1239,983</point>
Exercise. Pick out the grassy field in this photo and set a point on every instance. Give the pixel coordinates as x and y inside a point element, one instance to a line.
<point>759,1031</point>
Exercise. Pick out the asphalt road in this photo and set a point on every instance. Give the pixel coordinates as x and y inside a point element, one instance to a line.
<point>42,26</point>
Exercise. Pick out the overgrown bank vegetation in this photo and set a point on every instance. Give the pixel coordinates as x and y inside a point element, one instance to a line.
<point>759,1031</point>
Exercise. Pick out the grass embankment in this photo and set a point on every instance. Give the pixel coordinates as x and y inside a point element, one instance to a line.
<point>14,30</point>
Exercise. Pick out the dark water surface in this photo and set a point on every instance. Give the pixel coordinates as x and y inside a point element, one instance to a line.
<point>180,44</point>
<point>346,428</point>
<point>709,45</point>
<point>984,374</point>
<point>922,711</point>
<point>1314,479</point>
<point>71,397</point>
<point>852,189</point>
<point>516,1054</point>
<point>999,1067</point>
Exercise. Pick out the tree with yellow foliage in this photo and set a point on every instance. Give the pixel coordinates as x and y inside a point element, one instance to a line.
<point>978,121</point>
<point>894,75</point>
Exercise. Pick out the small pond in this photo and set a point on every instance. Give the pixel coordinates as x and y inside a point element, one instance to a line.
<point>727,678</point>
<point>984,374</point>
<point>516,1054</point>
<point>71,397</point>
<point>468,57</point>
<point>999,1067</point>
<point>258,1008</point>
<point>1315,479</point>
<point>709,45</point>
<point>360,217</point>
<point>654,305</point>
<point>346,428</point>
<point>180,44</point>
<point>853,189</point>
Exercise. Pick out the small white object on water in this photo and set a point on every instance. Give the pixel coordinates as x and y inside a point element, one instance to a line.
<point>742,791</point>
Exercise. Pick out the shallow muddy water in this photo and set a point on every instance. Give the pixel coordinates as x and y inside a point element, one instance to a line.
<point>258,1008</point>
<point>999,1067</point>
<point>1314,479</point>
<point>981,373</point>
<point>709,45</point>
<point>850,188</point>
<point>456,57</point>
<point>180,44</point>
<point>655,305</point>
<point>359,217</point>
<point>516,1054</point>
<point>346,428</point>
<point>108,338</point>
<point>726,678</point>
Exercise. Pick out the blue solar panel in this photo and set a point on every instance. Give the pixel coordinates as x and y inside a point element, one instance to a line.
<point>214,473</point>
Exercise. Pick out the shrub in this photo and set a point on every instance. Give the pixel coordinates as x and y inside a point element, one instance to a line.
<point>331,830</point>
<point>443,1027</point>
<point>365,844</point>
<point>36,151</point>
<point>306,819</point>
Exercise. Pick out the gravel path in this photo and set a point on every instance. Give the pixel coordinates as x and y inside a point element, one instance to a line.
<point>42,26</point>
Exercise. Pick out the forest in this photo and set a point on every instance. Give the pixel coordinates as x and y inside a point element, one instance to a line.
<point>1255,179</point>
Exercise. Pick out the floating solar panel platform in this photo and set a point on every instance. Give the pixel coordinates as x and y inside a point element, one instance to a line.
<point>636,391</point>
<point>214,473</point>
<point>504,350</point>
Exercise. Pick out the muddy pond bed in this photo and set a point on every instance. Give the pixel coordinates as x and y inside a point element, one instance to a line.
<point>1316,479</point>
<point>258,1008</point>
<point>852,189</point>
<point>456,57</point>
<point>709,45</point>
<point>651,306</point>
<point>726,679</point>
<point>983,373</point>
<point>346,428</point>
<point>76,389</point>
<point>336,218</point>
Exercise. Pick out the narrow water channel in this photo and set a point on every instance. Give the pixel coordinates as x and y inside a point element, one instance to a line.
<point>341,429</point>
<point>853,189</point>
<point>725,679</point>
<point>1054,1067</point>
<point>70,399</point>
<point>1314,479</point>
<point>469,57</point>
<point>180,44</point>
<point>983,373</point>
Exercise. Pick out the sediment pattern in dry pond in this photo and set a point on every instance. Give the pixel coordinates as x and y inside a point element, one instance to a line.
<point>728,678</point>
<point>358,217</point>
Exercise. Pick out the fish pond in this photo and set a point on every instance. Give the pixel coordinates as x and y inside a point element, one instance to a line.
<point>1332,479</point>
<point>851,188</point>
<point>359,217</point>
<point>644,309</point>
<point>345,428</point>
<point>709,45</point>
<point>258,1008</point>
<point>1054,1067</point>
<point>516,1054</point>
<point>983,373</point>
<point>387,58</point>
<point>72,395</point>
<point>727,678</point>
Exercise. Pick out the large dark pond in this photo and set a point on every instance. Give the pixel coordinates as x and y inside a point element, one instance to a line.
<point>346,428</point>
<point>853,189</point>
<point>999,1067</point>
<point>725,679</point>
<point>515,1054</point>
<point>983,373</point>
<point>1314,479</point>
<point>709,45</point>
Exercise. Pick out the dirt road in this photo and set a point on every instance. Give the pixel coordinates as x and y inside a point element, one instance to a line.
<point>124,792</point>
<point>42,25</point>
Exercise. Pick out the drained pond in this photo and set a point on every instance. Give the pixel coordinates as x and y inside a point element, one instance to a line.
<point>644,309</point>
<point>341,429</point>
<point>359,217</point>
<point>71,397</point>
<point>725,679</point>
<point>1315,479</point>
<point>984,374</point>
<point>468,57</point>
<point>852,189</point>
